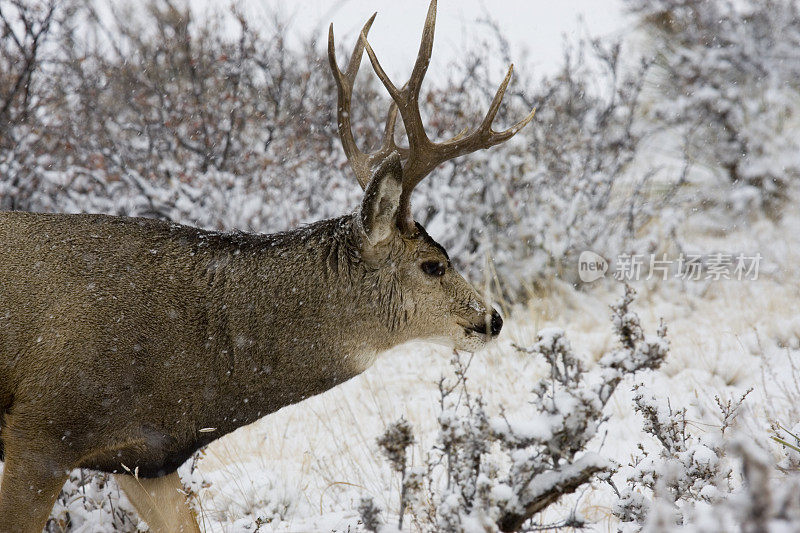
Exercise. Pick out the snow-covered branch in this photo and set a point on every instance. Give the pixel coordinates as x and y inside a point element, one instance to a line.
<point>498,472</point>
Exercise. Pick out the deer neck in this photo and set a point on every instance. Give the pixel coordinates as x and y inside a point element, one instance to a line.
<point>308,320</point>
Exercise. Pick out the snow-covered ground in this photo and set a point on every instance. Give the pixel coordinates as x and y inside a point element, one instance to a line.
<point>307,466</point>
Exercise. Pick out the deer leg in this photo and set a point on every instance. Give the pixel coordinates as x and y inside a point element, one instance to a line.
<point>160,502</point>
<point>30,486</point>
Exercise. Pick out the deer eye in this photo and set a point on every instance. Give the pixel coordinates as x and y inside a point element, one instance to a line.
<point>433,268</point>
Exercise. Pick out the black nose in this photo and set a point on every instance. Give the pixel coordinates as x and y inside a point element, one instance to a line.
<point>496,324</point>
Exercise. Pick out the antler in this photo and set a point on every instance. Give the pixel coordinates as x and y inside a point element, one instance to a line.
<point>360,162</point>
<point>423,154</point>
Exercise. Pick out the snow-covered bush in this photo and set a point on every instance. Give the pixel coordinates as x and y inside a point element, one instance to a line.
<point>92,502</point>
<point>26,30</point>
<point>24,33</point>
<point>688,469</point>
<point>495,473</point>
<point>169,116</point>
<point>728,82</point>
<point>766,502</point>
<point>711,482</point>
<point>266,501</point>
<point>20,60</point>
<point>394,444</point>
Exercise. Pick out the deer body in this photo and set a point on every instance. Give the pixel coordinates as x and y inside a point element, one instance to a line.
<point>216,330</point>
<point>127,343</point>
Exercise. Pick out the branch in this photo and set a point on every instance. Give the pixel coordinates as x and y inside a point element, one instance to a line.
<point>546,488</point>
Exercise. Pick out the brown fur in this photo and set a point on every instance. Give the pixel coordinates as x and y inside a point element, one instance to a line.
<point>161,502</point>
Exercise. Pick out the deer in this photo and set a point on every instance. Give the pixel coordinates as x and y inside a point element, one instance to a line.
<point>126,344</point>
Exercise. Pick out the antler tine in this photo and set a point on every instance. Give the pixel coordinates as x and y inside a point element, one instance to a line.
<point>388,144</point>
<point>360,162</point>
<point>407,98</point>
<point>485,136</point>
<point>344,86</point>
<point>423,154</point>
<point>424,55</point>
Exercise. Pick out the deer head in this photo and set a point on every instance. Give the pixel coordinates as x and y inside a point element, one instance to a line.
<point>439,302</point>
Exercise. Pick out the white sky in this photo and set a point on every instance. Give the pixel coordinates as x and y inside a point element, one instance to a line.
<point>539,25</point>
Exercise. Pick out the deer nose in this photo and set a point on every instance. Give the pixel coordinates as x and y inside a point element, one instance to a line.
<point>497,323</point>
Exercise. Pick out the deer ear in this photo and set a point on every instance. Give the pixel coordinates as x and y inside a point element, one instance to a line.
<point>382,200</point>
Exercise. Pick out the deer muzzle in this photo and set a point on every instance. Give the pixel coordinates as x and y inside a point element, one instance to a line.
<point>494,325</point>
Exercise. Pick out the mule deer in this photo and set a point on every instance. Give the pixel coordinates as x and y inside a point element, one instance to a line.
<point>123,340</point>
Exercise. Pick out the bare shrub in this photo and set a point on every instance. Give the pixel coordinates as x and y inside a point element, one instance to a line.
<point>25,31</point>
